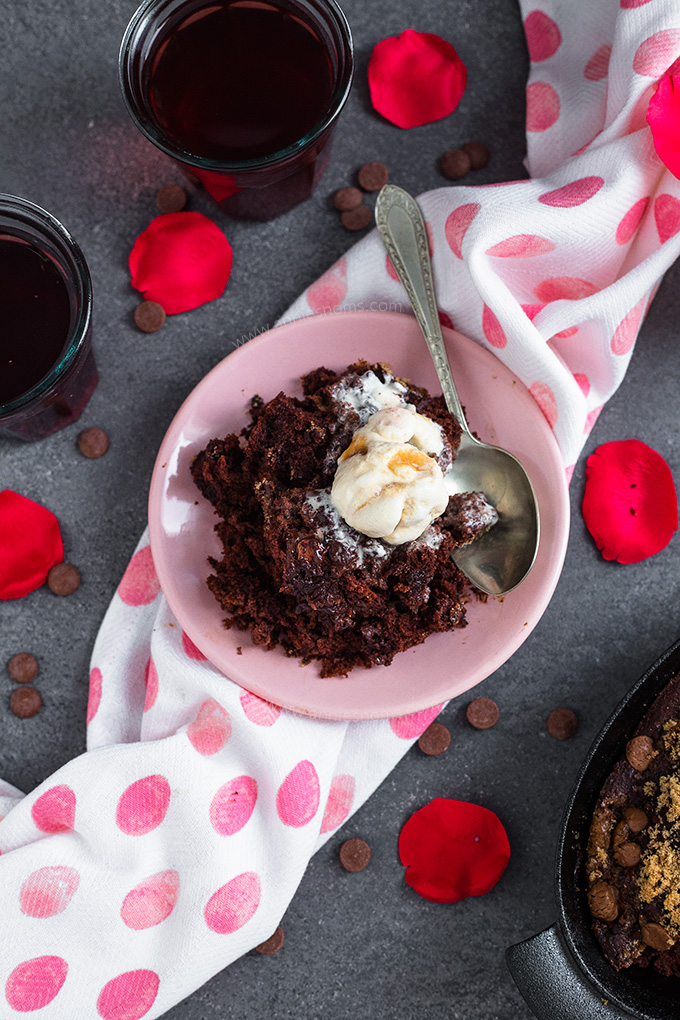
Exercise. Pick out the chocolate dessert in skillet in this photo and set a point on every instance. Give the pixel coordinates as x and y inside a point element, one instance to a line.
<point>633,854</point>
<point>336,520</point>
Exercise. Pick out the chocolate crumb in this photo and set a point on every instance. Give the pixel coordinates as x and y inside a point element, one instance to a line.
<point>93,443</point>
<point>355,854</point>
<point>23,667</point>
<point>357,219</point>
<point>239,649</point>
<point>435,740</point>
<point>482,713</point>
<point>373,176</point>
<point>171,198</point>
<point>63,579</point>
<point>639,752</point>
<point>562,723</point>
<point>149,316</point>
<point>655,936</point>
<point>272,944</point>
<point>347,198</point>
<point>25,702</point>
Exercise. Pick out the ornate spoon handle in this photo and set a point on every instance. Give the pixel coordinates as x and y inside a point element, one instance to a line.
<point>401,226</point>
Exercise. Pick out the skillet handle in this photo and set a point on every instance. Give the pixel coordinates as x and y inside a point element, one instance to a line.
<point>552,984</point>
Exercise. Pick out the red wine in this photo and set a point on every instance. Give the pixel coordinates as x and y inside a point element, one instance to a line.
<point>239,80</point>
<point>35,316</point>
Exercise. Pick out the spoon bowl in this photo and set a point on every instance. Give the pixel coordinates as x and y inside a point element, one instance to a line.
<point>499,559</point>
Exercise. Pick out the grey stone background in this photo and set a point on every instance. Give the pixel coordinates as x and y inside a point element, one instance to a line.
<point>356,945</point>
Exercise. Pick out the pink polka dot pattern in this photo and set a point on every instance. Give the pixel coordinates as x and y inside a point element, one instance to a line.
<point>531,311</point>
<point>143,806</point>
<point>627,330</point>
<point>631,221</point>
<point>446,320</point>
<point>408,727</point>
<point>543,107</point>
<point>656,54</point>
<point>129,996</point>
<point>191,650</point>
<point>583,382</point>
<point>95,695</point>
<point>597,67</point>
<point>592,418</point>
<point>627,5</point>
<point>48,890</point>
<point>569,472</point>
<point>543,36</point>
<point>564,334</point>
<point>328,292</point>
<point>493,331</point>
<point>545,398</point>
<point>457,224</point>
<point>297,799</point>
<point>572,194</point>
<point>339,803</point>
<point>521,246</point>
<point>55,810</point>
<point>211,729</point>
<point>151,681</point>
<point>139,585</point>
<point>259,711</point>
<point>234,904</point>
<point>564,288</point>
<point>232,805</point>
<point>587,144</point>
<point>151,901</point>
<point>35,983</point>
<point>666,216</point>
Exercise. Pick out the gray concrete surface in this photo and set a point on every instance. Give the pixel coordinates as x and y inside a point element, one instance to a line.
<point>356,945</point>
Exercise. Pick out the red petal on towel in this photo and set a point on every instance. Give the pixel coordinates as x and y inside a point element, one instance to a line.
<point>663,117</point>
<point>415,78</point>
<point>30,544</point>
<point>630,506</point>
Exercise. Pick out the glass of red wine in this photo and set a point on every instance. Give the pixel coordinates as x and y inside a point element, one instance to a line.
<point>47,368</point>
<point>243,94</point>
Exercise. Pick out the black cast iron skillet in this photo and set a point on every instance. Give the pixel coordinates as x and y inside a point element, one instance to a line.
<point>561,972</point>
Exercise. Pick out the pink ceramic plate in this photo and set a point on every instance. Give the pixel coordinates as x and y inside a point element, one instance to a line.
<point>181,522</point>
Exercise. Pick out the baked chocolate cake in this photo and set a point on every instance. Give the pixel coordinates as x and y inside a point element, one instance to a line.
<point>293,572</point>
<point>633,855</point>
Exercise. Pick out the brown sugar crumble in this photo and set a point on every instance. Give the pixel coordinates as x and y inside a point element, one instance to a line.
<point>293,573</point>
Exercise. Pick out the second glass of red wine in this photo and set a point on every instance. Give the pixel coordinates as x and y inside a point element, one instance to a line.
<point>244,94</point>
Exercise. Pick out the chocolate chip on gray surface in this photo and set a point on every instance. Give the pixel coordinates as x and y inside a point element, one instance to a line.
<point>272,944</point>
<point>639,752</point>
<point>482,713</point>
<point>171,198</point>
<point>23,667</point>
<point>25,702</point>
<point>347,198</point>
<point>562,723</point>
<point>149,316</point>
<point>357,219</point>
<point>373,176</point>
<point>93,443</point>
<point>63,579</point>
<point>655,936</point>
<point>478,153</point>
<point>435,740</point>
<point>355,854</point>
<point>636,818</point>
<point>628,855</point>
<point>602,902</point>
<point>455,164</point>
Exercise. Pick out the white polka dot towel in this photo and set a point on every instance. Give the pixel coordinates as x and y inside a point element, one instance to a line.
<point>176,842</point>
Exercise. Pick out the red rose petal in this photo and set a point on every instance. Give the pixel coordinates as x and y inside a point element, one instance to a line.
<point>630,506</point>
<point>663,117</point>
<point>452,849</point>
<point>415,78</point>
<point>181,261</point>
<point>30,544</point>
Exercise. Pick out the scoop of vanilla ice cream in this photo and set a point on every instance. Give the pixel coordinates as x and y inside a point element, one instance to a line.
<point>387,484</point>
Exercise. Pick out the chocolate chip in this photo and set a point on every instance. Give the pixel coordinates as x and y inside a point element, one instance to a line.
<point>639,752</point>
<point>628,855</point>
<point>562,723</point>
<point>25,702</point>
<point>656,937</point>
<point>620,835</point>
<point>602,902</point>
<point>636,818</point>
<point>23,667</point>
<point>355,854</point>
<point>373,176</point>
<point>455,164</point>
<point>93,443</point>
<point>63,579</point>
<point>357,219</point>
<point>171,198</point>
<point>272,944</point>
<point>478,153</point>
<point>149,316</point>
<point>435,740</point>
<point>347,198</point>
<point>482,713</point>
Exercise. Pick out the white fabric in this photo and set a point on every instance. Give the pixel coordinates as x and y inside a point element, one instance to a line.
<point>175,843</point>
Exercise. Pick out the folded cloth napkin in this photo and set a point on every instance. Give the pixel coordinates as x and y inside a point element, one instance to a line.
<point>176,842</point>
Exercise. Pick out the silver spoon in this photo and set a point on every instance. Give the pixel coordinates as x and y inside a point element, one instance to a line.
<point>501,558</point>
